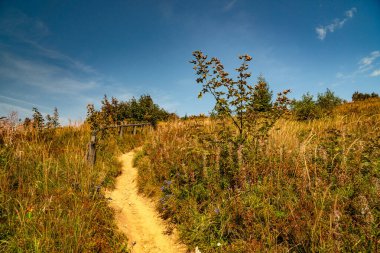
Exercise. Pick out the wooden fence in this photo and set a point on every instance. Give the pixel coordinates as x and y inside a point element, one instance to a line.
<point>91,150</point>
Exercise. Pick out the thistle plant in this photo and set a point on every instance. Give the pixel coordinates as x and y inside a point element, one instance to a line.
<point>236,99</point>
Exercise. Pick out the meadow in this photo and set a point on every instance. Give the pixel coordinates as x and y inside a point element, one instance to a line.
<point>304,186</point>
<point>51,200</point>
<point>308,186</point>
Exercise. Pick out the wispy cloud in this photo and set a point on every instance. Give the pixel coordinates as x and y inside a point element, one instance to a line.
<point>336,24</point>
<point>38,65</point>
<point>21,103</point>
<point>229,5</point>
<point>17,24</point>
<point>51,78</point>
<point>56,55</point>
<point>30,31</point>
<point>375,73</point>
<point>366,63</point>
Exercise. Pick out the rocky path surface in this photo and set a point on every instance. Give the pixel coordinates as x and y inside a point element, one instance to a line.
<point>136,215</point>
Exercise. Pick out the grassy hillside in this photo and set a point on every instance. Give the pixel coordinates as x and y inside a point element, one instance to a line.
<point>50,199</point>
<point>308,186</point>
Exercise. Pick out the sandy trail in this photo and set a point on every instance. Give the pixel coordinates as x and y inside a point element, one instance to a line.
<point>136,215</point>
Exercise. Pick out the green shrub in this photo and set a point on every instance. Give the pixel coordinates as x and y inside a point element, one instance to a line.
<point>306,108</point>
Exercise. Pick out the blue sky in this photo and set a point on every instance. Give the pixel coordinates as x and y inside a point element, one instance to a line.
<point>70,53</point>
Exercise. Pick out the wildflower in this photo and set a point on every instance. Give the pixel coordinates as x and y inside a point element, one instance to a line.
<point>217,211</point>
<point>218,244</point>
<point>197,250</point>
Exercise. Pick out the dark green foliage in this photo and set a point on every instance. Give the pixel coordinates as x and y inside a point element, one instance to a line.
<point>141,110</point>
<point>358,96</point>
<point>262,96</point>
<point>328,101</point>
<point>27,122</point>
<point>307,108</point>
<point>38,120</point>
<point>53,121</point>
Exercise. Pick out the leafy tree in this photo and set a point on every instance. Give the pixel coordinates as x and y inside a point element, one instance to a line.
<point>49,123</point>
<point>262,96</point>
<point>27,123</point>
<point>38,120</point>
<point>55,118</point>
<point>327,101</point>
<point>94,117</point>
<point>114,111</point>
<point>52,121</point>
<point>306,108</point>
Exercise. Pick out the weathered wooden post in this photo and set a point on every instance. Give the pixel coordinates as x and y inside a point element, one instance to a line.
<point>134,130</point>
<point>121,132</point>
<point>91,153</point>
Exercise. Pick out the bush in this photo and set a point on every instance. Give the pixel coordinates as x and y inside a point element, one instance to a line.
<point>134,110</point>
<point>306,108</point>
<point>328,101</point>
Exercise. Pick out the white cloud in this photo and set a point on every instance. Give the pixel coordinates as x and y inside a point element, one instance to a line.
<point>336,24</point>
<point>350,13</point>
<point>321,32</point>
<point>375,73</point>
<point>366,62</point>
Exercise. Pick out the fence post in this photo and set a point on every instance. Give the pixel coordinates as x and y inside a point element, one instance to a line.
<point>91,153</point>
<point>121,131</point>
<point>134,130</point>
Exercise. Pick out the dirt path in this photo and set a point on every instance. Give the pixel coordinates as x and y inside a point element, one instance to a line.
<point>136,215</point>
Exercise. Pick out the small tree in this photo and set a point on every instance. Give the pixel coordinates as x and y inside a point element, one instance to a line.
<point>27,123</point>
<point>92,117</point>
<point>49,123</point>
<point>328,101</point>
<point>38,120</point>
<point>306,108</point>
<point>55,118</point>
<point>262,96</point>
<point>234,98</point>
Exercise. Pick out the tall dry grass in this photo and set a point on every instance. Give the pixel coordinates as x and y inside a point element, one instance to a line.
<point>50,199</point>
<point>310,186</point>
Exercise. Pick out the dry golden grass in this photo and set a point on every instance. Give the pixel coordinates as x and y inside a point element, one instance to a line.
<point>309,186</point>
<point>50,199</point>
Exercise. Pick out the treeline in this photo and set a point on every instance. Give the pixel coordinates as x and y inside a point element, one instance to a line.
<point>308,108</point>
<point>357,96</point>
<point>134,110</point>
<point>39,122</point>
